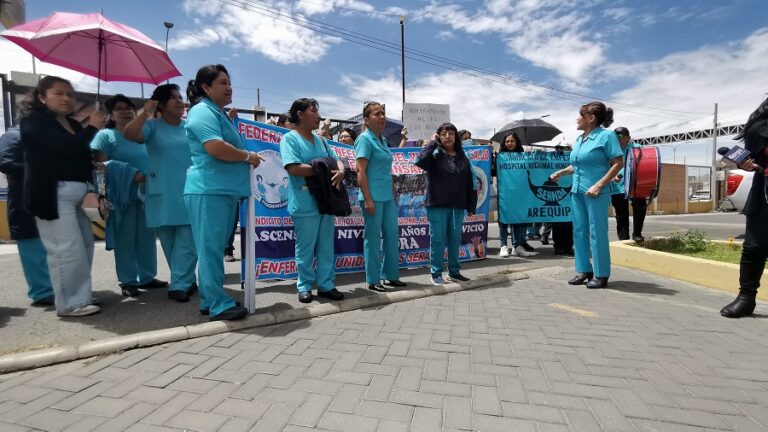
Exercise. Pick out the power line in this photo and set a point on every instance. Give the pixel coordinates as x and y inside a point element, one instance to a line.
<point>413,54</point>
<point>349,8</point>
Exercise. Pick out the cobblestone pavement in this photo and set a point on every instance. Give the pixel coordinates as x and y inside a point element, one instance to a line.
<point>647,355</point>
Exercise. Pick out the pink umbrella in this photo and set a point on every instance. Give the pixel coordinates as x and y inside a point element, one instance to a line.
<point>93,45</point>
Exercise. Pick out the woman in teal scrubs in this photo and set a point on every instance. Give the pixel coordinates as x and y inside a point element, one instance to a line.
<point>374,174</point>
<point>217,179</point>
<point>314,231</point>
<point>135,249</point>
<point>595,160</point>
<point>169,159</point>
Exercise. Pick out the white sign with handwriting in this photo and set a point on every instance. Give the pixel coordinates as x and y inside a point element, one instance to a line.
<point>423,119</point>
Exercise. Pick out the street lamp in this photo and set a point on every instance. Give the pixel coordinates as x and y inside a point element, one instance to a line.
<point>168,26</point>
<point>402,55</point>
<point>674,151</point>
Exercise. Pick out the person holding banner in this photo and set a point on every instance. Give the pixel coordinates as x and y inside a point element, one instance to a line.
<point>755,248</point>
<point>620,202</point>
<point>314,231</point>
<point>218,178</point>
<point>511,143</point>
<point>595,160</point>
<point>169,158</point>
<point>374,175</point>
<point>450,193</point>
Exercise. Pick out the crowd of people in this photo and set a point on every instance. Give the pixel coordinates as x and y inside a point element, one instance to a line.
<point>180,180</point>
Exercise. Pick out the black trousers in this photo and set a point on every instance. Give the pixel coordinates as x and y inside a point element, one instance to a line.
<point>229,248</point>
<point>754,252</point>
<point>562,236</point>
<point>621,208</point>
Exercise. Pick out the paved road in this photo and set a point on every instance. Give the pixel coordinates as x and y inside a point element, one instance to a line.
<point>647,355</point>
<point>23,327</point>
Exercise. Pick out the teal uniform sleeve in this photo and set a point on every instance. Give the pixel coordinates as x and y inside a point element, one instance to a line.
<point>363,148</point>
<point>101,143</point>
<point>288,150</point>
<point>148,130</point>
<point>204,124</point>
<point>611,147</point>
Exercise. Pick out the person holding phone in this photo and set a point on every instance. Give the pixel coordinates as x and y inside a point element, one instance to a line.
<point>134,246</point>
<point>450,195</point>
<point>377,198</point>
<point>166,144</point>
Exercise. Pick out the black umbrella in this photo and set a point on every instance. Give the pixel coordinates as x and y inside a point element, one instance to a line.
<point>529,130</point>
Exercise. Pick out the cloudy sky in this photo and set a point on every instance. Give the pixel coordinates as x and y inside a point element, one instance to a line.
<point>661,65</point>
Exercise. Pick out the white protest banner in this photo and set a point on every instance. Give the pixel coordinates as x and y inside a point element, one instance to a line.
<point>423,119</point>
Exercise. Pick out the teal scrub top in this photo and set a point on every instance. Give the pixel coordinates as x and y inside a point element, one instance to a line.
<point>112,143</point>
<point>379,168</point>
<point>169,159</point>
<point>294,149</point>
<point>591,158</point>
<point>618,186</point>
<point>208,175</point>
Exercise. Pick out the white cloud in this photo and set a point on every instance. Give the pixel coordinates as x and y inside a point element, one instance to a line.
<point>276,37</point>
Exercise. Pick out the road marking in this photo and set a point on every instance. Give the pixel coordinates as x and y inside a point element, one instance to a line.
<point>577,311</point>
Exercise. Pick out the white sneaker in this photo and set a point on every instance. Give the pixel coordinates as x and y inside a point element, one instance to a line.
<point>438,280</point>
<point>524,253</point>
<point>504,252</point>
<point>81,311</point>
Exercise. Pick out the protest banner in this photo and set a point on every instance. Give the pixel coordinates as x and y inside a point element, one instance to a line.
<point>423,119</point>
<point>271,226</point>
<point>526,194</point>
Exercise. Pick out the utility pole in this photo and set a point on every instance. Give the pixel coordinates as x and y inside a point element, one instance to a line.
<point>258,97</point>
<point>402,58</point>
<point>168,26</point>
<point>713,181</point>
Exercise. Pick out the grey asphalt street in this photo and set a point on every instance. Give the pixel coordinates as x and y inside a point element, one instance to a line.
<point>23,327</point>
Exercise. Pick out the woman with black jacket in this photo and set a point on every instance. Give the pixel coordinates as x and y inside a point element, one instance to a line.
<point>57,169</point>
<point>754,251</point>
<point>450,192</point>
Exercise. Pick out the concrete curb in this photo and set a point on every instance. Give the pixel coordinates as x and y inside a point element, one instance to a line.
<point>35,359</point>
<point>711,274</point>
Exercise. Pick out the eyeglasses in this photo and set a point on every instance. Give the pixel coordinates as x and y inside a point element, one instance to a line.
<point>122,108</point>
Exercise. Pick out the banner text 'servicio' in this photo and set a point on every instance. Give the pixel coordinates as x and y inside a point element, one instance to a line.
<point>526,194</point>
<point>273,226</point>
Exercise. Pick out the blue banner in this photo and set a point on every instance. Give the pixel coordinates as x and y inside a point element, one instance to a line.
<point>526,194</point>
<point>273,227</point>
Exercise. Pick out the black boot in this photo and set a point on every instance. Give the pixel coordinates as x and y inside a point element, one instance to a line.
<point>580,278</point>
<point>743,306</point>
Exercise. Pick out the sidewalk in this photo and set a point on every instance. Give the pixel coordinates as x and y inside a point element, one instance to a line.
<point>648,354</point>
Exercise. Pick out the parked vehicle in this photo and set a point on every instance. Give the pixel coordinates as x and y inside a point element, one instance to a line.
<point>738,183</point>
<point>700,195</point>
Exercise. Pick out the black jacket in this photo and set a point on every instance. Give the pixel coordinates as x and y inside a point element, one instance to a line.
<point>330,200</point>
<point>755,141</point>
<point>449,179</point>
<point>52,154</point>
<point>22,224</point>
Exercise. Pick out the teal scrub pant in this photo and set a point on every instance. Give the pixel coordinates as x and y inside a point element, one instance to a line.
<point>590,234</point>
<point>34,263</point>
<point>314,240</point>
<point>179,250</point>
<point>211,217</point>
<point>381,225</point>
<point>135,247</point>
<point>444,224</point>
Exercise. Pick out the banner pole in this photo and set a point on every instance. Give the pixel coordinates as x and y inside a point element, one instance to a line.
<point>250,250</point>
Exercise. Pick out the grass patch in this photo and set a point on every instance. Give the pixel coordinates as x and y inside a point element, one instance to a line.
<point>694,243</point>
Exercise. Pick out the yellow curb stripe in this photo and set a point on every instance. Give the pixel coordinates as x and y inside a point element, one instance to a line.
<point>571,309</point>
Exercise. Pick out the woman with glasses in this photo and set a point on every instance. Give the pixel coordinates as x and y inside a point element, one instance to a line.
<point>754,251</point>
<point>595,160</point>
<point>134,242</point>
<point>347,136</point>
<point>450,194</point>
<point>374,175</point>
<point>169,158</point>
<point>314,231</point>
